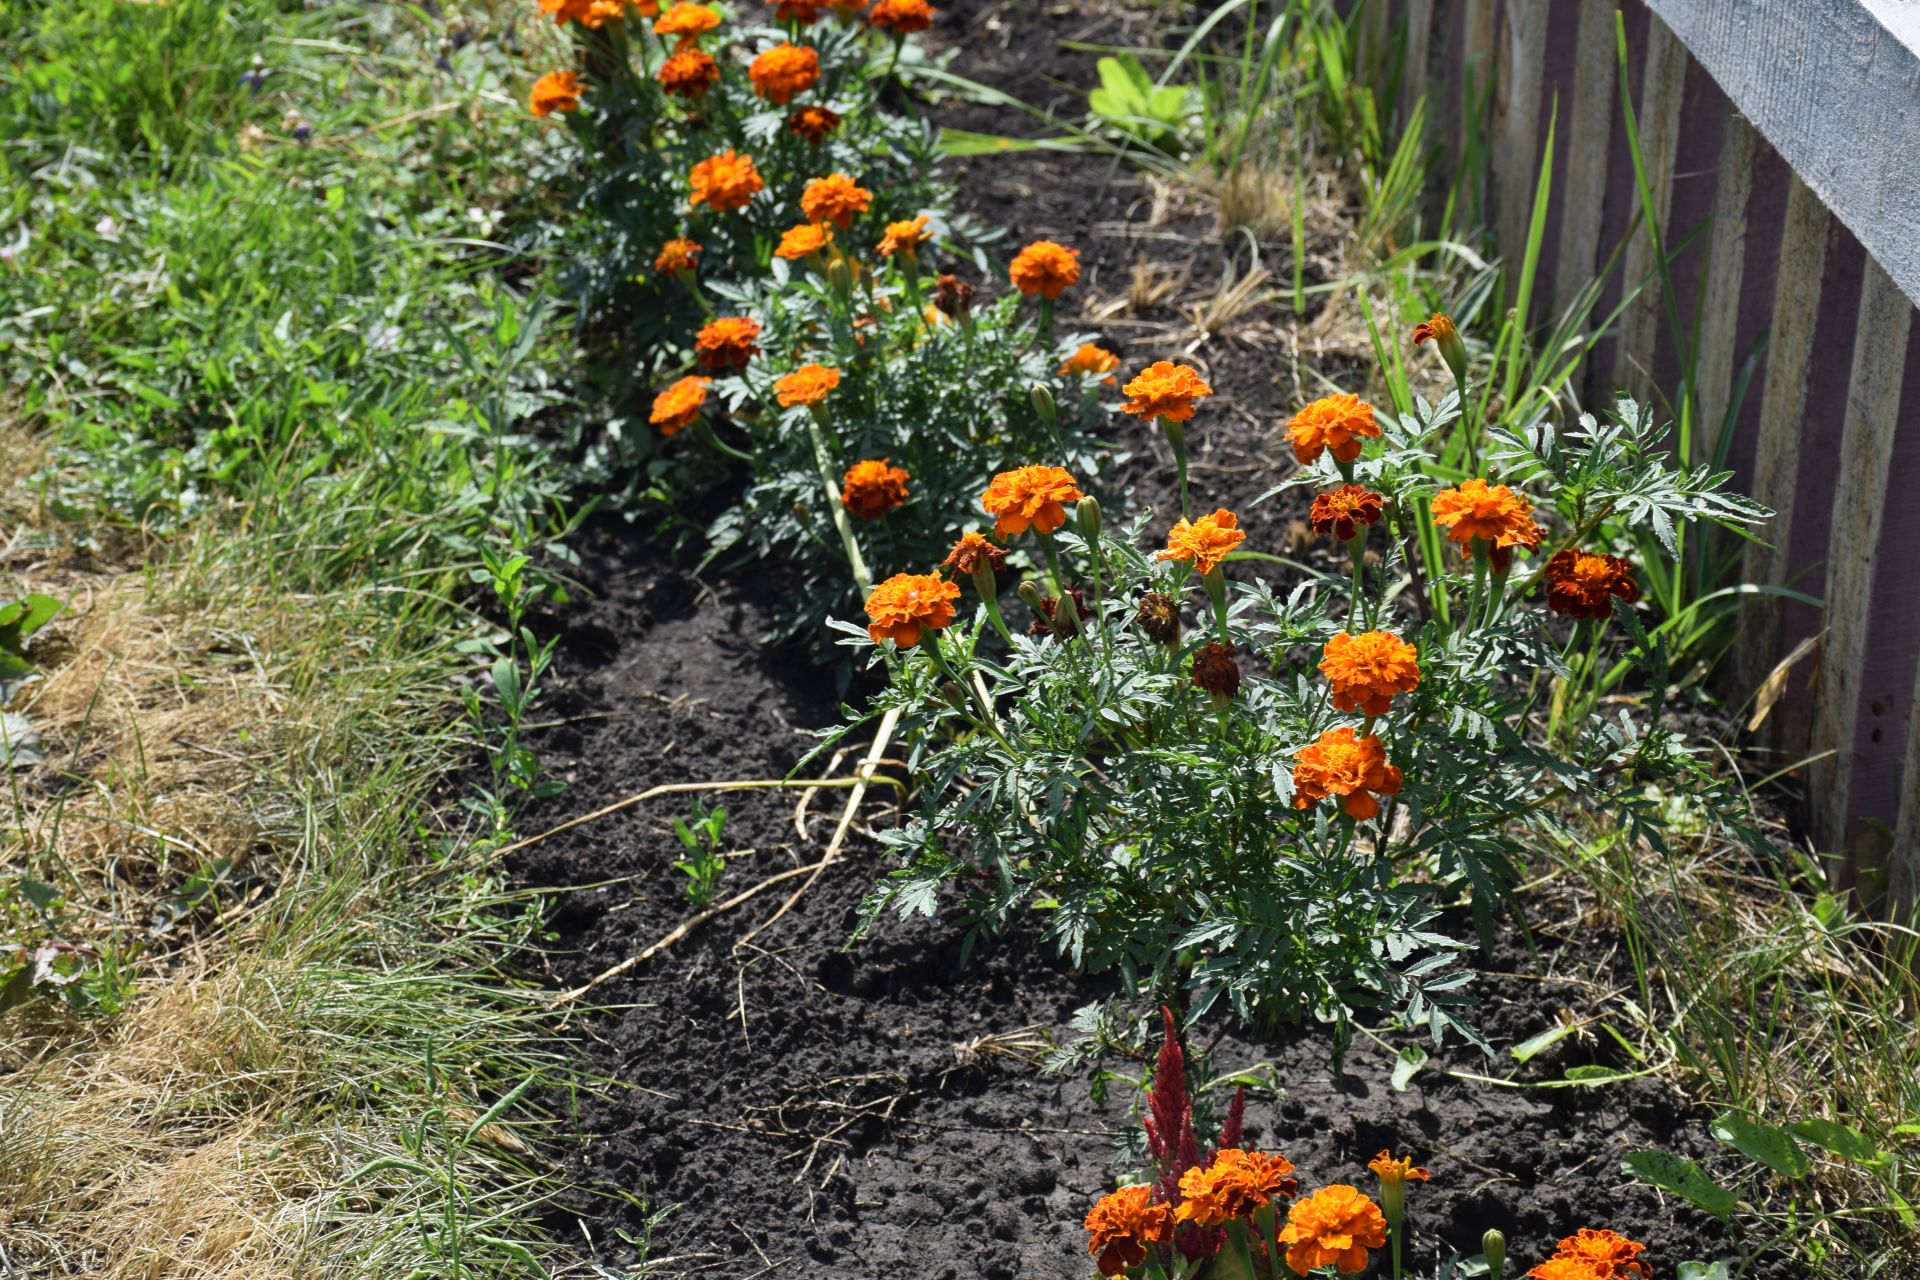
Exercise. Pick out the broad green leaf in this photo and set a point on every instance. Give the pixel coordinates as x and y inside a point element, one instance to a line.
<point>1702,1271</point>
<point>1757,1140</point>
<point>1411,1059</point>
<point>1533,1044</point>
<point>1683,1178</point>
<point>1838,1138</point>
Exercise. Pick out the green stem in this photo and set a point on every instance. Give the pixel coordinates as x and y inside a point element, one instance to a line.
<point>704,430</point>
<point>1177,438</point>
<point>841,519</point>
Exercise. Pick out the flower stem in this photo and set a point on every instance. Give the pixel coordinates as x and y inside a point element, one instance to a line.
<point>1177,438</point>
<point>841,520</point>
<point>704,430</point>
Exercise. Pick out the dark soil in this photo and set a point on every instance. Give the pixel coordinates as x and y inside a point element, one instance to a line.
<point>807,1107</point>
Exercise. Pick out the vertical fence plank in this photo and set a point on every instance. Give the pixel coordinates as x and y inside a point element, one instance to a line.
<point>1658,114</point>
<point>1726,269</point>
<point>1796,299</point>
<point>1517,121</point>
<point>1589,133</point>
<point>1903,862</point>
<point>1413,80</point>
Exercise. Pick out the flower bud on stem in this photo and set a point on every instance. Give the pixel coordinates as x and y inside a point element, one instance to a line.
<point>1493,1246</point>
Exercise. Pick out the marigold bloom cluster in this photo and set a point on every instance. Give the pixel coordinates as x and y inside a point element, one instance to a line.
<point>686,22</point>
<point>907,604</point>
<point>971,553</point>
<point>596,13</point>
<point>678,407</point>
<point>1368,670</point>
<point>1493,513</point>
<point>1204,542</point>
<point>783,72</point>
<point>1335,1226</point>
<point>676,256</point>
<point>1589,1254</point>
<point>1235,1184</point>
<point>1346,765</point>
<point>809,384</point>
<point>1121,1226</point>
<point>555,91</point>
<point>1029,497</point>
<point>835,198</point>
<point>727,343</point>
<point>1165,390</point>
<point>1090,361</point>
<point>688,72</point>
<point>725,181</point>
<point>803,240</point>
<point>902,17</point>
<point>905,237</point>
<point>1583,584</point>
<point>1389,1168</point>
<point>1345,511</point>
<point>813,123</point>
<point>872,488</point>
<point>1335,424</point>
<point>1045,268</point>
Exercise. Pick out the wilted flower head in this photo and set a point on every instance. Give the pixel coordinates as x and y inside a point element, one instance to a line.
<point>783,72</point>
<point>724,181</point>
<point>1335,1225</point>
<point>908,603</point>
<point>1215,671</point>
<point>678,407</point>
<point>688,22</point>
<point>1589,1254</point>
<point>1344,764</point>
<point>1029,497</point>
<point>1389,1169</point>
<point>1345,511</point>
<point>953,296</point>
<point>1122,1225</point>
<point>800,241</point>
<point>727,343</point>
<point>872,488</point>
<point>1582,584</point>
<point>555,91</point>
<point>804,12</point>
<point>689,72</point>
<point>902,17</point>
<point>1159,616</point>
<point>1090,361</point>
<point>1237,1182</point>
<point>676,256</point>
<point>971,552</point>
<point>813,123</point>
<point>1204,542</point>
<point>809,384</point>
<point>1165,390</point>
<point>905,237</point>
<point>1337,423</point>
<point>1493,513</point>
<point>1367,670</point>
<point>835,198</point>
<point>1045,268</point>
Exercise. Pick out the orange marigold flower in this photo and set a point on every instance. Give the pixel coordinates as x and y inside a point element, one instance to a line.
<point>835,198</point>
<point>800,241</point>
<point>1237,1182</point>
<point>1388,1169</point>
<point>1344,764</point>
<point>1606,1255</point>
<point>908,603</point>
<point>1368,670</point>
<point>1204,542</point>
<point>1335,1224</point>
<point>1029,496</point>
<point>687,21</point>
<point>676,256</point>
<point>726,343</point>
<point>1122,1225</point>
<point>783,72</point>
<point>804,12</point>
<point>971,552</point>
<point>953,296</point>
<point>1337,422</point>
<point>813,123</point>
<point>725,181</point>
<point>1491,512</point>
<point>872,488</point>
<point>689,72</point>
<point>1090,361</point>
<point>1045,268</point>
<point>601,12</point>
<point>566,10</point>
<point>555,91</point>
<point>1437,329</point>
<point>1563,1269</point>
<point>905,237</point>
<point>1345,511</point>
<point>901,16</point>
<point>1581,584</point>
<point>1165,390</point>
<point>809,384</point>
<point>678,407</point>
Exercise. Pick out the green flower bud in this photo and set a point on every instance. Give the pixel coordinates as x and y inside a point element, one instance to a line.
<point>1042,397</point>
<point>1494,1246</point>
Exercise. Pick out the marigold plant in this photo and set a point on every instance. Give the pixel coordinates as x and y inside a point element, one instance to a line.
<point>784,72</point>
<point>1046,269</point>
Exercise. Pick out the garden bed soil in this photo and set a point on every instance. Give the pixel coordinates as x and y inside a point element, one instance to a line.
<point>807,1106</point>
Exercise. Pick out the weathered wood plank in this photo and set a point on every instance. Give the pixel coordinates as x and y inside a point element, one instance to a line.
<point>1589,132</point>
<point>1517,116</point>
<point>1663,81</point>
<point>1413,79</point>
<point>1726,271</point>
<point>1903,860</point>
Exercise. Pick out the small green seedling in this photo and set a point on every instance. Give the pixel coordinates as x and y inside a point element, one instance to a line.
<point>703,864</point>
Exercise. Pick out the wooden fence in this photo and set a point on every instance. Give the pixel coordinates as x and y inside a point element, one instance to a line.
<point>1782,145</point>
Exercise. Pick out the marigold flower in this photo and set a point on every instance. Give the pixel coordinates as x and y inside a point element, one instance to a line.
<point>1494,513</point>
<point>1335,1224</point>
<point>813,123</point>
<point>903,17</point>
<point>800,241</point>
<point>1388,1169</point>
<point>905,237</point>
<point>1029,496</point>
<point>953,296</point>
<point>1337,422</point>
<point>1604,1255</point>
<point>804,12</point>
<point>872,488</point>
<point>1165,390</point>
<point>1214,671</point>
<point>676,256</point>
<point>555,91</point>
<point>1045,268</point>
<point>726,343</point>
<point>1090,361</point>
<point>678,407</point>
<point>1439,330</point>
<point>1204,542</point>
<point>1344,764</point>
<point>908,603</point>
<point>1367,670</point>
<point>687,21</point>
<point>1581,584</point>
<point>835,198</point>
<point>1345,511</point>
<point>565,11</point>
<point>809,384</point>
<point>1122,1225</point>
<point>601,12</point>
<point>783,72</point>
<point>725,181</point>
<point>1159,616</point>
<point>1237,1182</point>
<point>689,72</point>
<point>971,552</point>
